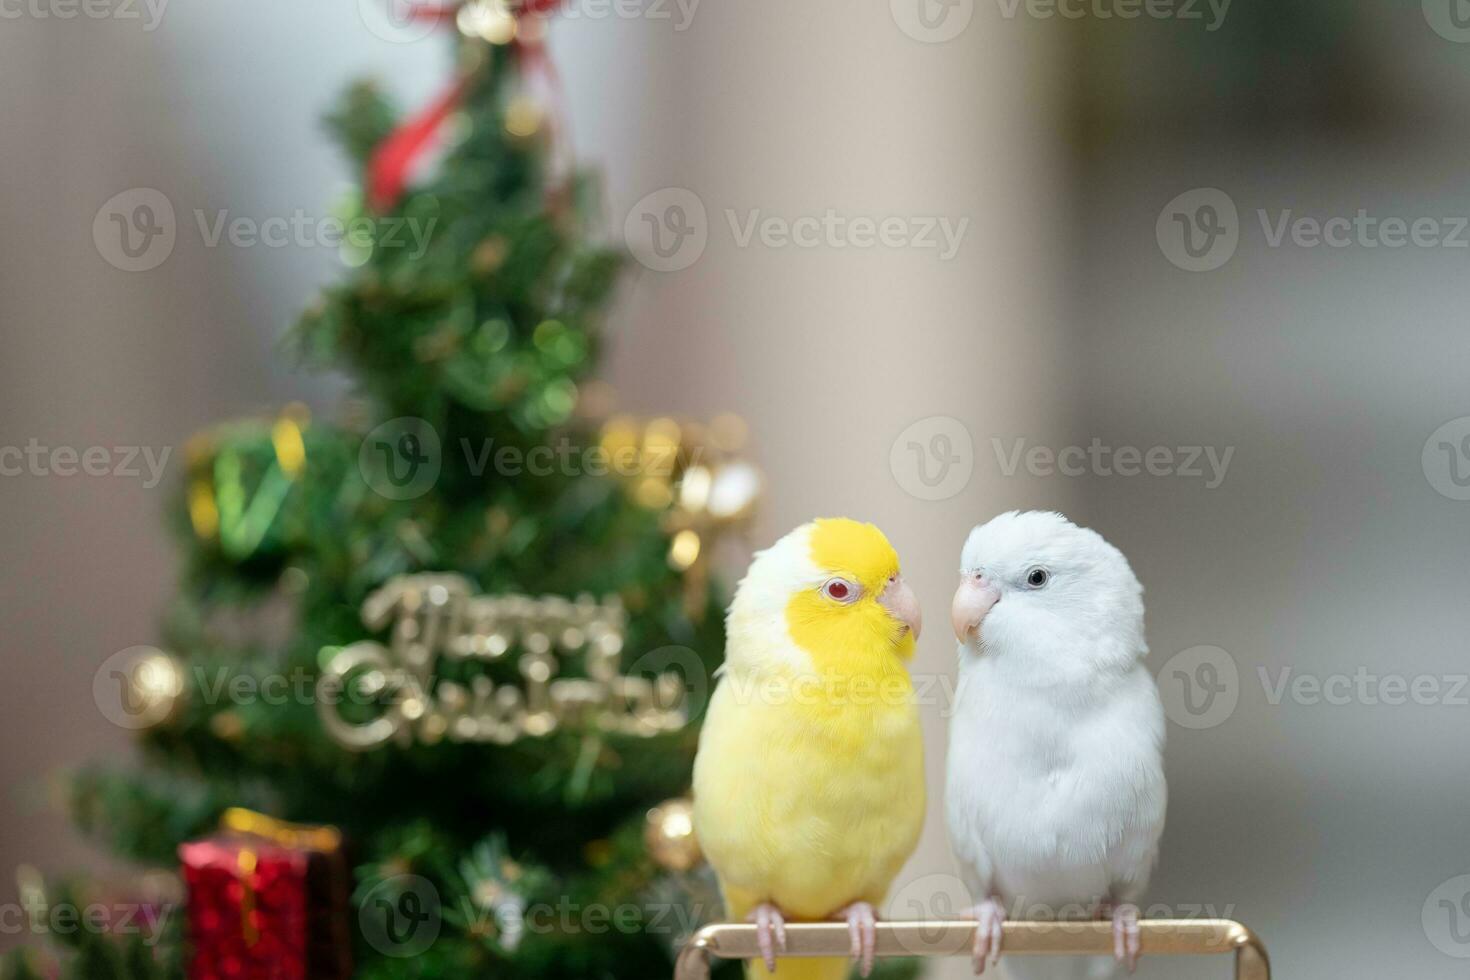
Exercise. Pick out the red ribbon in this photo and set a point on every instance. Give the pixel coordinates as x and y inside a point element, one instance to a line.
<point>448,12</point>
<point>392,162</point>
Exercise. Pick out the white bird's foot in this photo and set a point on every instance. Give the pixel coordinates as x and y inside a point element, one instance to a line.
<point>1127,940</point>
<point>990,916</point>
<point>770,932</point>
<point>862,925</point>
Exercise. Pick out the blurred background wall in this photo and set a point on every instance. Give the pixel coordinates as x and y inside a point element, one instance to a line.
<point>887,382</point>
<point>1333,551</point>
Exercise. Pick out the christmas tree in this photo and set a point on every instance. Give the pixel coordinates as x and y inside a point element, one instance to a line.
<point>454,629</point>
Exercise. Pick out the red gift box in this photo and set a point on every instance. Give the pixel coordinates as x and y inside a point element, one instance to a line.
<point>266,902</point>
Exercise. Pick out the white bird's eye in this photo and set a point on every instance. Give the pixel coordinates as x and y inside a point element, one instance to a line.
<point>840,590</point>
<point>1037,577</point>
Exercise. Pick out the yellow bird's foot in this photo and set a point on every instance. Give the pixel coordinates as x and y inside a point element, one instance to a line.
<point>862,925</point>
<point>990,917</point>
<point>1127,939</point>
<point>770,932</point>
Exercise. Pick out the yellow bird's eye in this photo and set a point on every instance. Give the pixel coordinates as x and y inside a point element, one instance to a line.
<point>841,590</point>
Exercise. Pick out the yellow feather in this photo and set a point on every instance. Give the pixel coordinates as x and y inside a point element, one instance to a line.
<point>808,786</point>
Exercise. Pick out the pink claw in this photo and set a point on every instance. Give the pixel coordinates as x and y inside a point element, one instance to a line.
<point>862,925</point>
<point>768,920</point>
<point>1127,939</point>
<point>990,917</point>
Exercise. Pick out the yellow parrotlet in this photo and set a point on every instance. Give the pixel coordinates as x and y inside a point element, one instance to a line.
<point>809,783</point>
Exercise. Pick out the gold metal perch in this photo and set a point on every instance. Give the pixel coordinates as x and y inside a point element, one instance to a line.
<point>1166,937</point>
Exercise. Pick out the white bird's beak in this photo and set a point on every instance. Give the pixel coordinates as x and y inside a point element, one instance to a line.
<point>972,602</point>
<point>902,604</point>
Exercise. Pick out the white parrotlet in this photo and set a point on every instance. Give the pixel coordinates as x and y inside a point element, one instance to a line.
<point>1055,784</point>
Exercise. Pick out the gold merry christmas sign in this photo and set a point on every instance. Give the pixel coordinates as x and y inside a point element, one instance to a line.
<point>370,694</point>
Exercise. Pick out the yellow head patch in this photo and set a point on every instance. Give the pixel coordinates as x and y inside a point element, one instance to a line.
<point>859,635</point>
<point>853,550</point>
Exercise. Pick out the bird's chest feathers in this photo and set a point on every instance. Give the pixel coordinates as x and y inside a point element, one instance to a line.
<point>849,690</point>
<point>874,739</point>
<point>865,721</point>
<point>853,798</point>
<point>1040,783</point>
<point>850,739</point>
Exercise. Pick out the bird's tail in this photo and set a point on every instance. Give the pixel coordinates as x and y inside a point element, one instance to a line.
<point>800,969</point>
<point>737,907</point>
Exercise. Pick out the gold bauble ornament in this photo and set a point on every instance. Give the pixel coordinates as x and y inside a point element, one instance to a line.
<point>524,117</point>
<point>490,255</point>
<point>669,836</point>
<point>227,726</point>
<point>489,20</point>
<point>140,688</point>
<point>692,474</point>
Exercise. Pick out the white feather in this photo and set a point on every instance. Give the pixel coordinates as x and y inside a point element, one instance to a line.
<point>1055,790</point>
<point>758,611</point>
